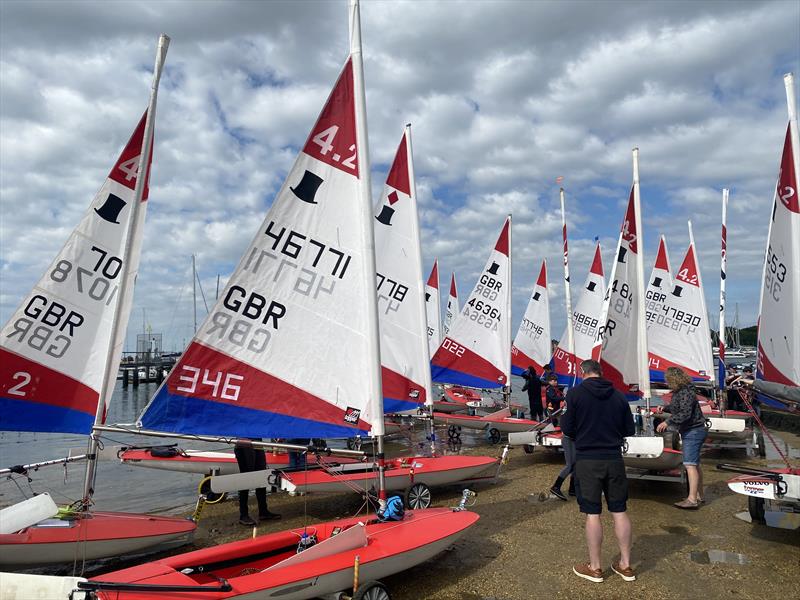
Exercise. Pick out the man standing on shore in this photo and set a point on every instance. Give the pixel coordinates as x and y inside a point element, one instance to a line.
<point>598,418</point>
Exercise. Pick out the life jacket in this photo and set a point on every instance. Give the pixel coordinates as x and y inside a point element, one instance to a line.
<point>394,511</point>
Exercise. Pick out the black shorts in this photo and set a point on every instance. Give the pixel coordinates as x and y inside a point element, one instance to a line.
<point>594,477</point>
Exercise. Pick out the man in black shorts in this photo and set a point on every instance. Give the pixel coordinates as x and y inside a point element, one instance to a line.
<point>598,418</point>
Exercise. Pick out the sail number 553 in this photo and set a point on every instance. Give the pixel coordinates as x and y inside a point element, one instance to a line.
<point>222,385</point>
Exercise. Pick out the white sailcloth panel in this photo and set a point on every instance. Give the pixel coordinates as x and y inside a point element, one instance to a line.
<point>433,308</point>
<point>779,321</point>
<point>532,343</point>
<point>618,351</point>
<point>283,351</point>
<point>476,352</point>
<point>586,318</point>
<point>678,331</point>
<point>398,270</point>
<point>452,306</point>
<point>53,350</point>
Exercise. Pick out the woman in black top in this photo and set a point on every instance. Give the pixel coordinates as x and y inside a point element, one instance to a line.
<point>686,416</point>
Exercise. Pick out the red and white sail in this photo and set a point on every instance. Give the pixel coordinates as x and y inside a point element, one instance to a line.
<point>452,306</point>
<point>532,345</point>
<point>618,350</point>
<point>288,350</point>
<point>476,351</point>
<point>586,318</point>
<point>405,368</point>
<point>433,309</point>
<point>58,344</point>
<point>779,318</point>
<point>678,330</point>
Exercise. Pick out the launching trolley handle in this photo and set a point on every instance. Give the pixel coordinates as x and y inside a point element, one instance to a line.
<point>745,470</point>
<point>93,586</point>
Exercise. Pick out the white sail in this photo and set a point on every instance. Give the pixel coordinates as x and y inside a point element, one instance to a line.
<point>452,306</point>
<point>586,319</point>
<point>261,364</point>
<point>59,343</point>
<point>433,308</point>
<point>405,371</point>
<point>779,318</point>
<point>476,352</point>
<point>678,328</point>
<point>532,345</point>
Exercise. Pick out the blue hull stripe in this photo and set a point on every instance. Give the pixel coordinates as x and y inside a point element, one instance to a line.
<point>442,375</point>
<point>20,415</point>
<point>392,406</point>
<point>182,414</point>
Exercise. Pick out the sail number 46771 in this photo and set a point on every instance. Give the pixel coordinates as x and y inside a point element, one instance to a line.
<point>221,385</point>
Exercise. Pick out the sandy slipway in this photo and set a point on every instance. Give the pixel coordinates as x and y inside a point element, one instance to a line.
<point>524,548</point>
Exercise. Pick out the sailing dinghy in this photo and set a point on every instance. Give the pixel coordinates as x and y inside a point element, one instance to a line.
<point>623,347</point>
<point>778,490</point>
<point>274,381</point>
<point>60,352</point>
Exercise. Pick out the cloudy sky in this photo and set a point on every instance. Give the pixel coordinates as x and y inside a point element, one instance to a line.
<point>503,98</point>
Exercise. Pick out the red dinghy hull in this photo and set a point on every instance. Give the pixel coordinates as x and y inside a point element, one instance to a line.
<point>92,536</point>
<point>455,399</point>
<point>258,568</point>
<point>401,473</point>
<point>502,424</point>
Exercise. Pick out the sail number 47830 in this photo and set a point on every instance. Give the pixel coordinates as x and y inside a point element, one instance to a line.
<point>222,385</point>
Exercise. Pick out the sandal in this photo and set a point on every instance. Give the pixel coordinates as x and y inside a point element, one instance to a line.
<point>687,504</point>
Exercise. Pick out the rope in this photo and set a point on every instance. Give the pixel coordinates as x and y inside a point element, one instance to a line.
<point>745,396</point>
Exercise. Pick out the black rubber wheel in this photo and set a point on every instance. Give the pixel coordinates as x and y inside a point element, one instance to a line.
<point>204,489</point>
<point>454,432</point>
<point>493,435</point>
<point>372,590</point>
<point>528,449</point>
<point>762,449</point>
<point>418,496</point>
<point>755,506</point>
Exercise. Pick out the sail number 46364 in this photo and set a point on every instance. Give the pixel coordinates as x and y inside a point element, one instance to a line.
<point>222,385</point>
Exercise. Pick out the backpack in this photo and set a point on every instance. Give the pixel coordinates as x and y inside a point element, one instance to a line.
<point>394,511</point>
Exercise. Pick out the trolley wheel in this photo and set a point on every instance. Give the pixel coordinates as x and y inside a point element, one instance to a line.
<point>204,489</point>
<point>528,449</point>
<point>418,496</point>
<point>755,506</point>
<point>372,590</point>
<point>354,443</point>
<point>762,449</point>
<point>493,435</point>
<point>454,432</point>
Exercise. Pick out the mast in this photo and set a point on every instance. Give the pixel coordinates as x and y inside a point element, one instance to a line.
<point>722,277</point>
<point>641,324</point>
<point>125,289</point>
<point>794,135</point>
<point>704,309</point>
<point>421,311</point>
<point>573,367</point>
<point>368,237</point>
<point>507,341</point>
<point>194,294</point>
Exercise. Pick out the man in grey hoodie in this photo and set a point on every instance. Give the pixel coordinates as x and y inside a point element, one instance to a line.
<point>599,418</point>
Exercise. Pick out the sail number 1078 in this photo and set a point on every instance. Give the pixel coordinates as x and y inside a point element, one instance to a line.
<point>222,385</point>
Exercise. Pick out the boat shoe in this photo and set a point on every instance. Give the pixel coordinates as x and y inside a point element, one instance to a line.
<point>586,571</point>
<point>627,573</point>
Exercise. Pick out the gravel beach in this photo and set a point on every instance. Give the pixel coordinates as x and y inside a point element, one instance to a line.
<point>524,547</point>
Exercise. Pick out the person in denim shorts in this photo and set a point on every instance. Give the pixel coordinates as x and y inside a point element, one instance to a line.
<point>685,414</point>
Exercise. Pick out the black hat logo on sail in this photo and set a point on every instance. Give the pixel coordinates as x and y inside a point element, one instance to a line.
<point>427,297</point>
<point>677,291</point>
<point>622,253</point>
<point>308,186</point>
<point>591,286</point>
<point>536,296</point>
<point>111,208</point>
<point>386,215</point>
<point>493,269</point>
<point>722,275</point>
<point>657,282</point>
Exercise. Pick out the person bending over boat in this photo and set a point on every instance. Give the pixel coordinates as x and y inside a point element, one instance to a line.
<point>533,385</point>
<point>598,419</point>
<point>252,459</point>
<point>786,393</point>
<point>686,416</point>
